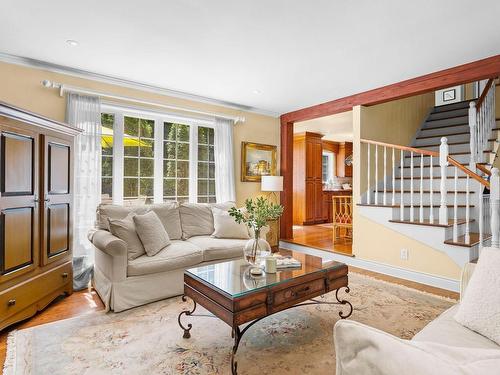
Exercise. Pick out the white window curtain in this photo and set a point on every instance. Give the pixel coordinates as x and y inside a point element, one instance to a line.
<point>84,112</point>
<point>224,160</point>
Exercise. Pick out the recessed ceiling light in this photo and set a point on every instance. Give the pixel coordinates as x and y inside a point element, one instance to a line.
<point>72,42</point>
<point>257,91</point>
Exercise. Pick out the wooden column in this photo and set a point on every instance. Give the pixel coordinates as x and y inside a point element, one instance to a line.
<point>286,196</point>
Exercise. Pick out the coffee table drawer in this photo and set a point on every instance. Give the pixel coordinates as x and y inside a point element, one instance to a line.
<point>299,293</point>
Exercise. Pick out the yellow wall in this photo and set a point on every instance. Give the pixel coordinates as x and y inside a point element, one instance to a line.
<point>21,86</point>
<point>394,122</point>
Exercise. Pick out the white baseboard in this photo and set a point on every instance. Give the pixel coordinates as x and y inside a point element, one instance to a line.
<point>386,269</point>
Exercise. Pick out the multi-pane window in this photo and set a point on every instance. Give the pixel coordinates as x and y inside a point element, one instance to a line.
<point>138,161</point>
<point>107,121</point>
<point>135,146</point>
<point>206,165</point>
<point>175,162</point>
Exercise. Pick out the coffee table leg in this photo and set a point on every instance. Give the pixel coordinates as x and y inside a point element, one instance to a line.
<point>344,302</point>
<point>186,335</point>
<point>236,334</point>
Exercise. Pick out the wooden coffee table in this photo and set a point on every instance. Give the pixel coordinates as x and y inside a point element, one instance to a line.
<point>229,292</point>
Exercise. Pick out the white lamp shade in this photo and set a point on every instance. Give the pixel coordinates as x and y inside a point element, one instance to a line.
<point>272,183</point>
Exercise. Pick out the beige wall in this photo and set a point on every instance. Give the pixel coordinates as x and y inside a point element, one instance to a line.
<point>21,86</point>
<point>395,122</point>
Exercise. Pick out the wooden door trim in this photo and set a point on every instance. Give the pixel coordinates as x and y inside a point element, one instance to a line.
<point>474,71</point>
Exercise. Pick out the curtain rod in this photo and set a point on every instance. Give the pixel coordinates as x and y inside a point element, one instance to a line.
<point>78,90</point>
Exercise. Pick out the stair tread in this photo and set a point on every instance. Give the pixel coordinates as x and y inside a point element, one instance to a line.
<point>416,178</point>
<point>434,224</point>
<point>444,126</point>
<point>447,118</point>
<point>443,135</point>
<point>474,240</point>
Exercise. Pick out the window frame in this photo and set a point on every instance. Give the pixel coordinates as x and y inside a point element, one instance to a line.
<point>120,112</point>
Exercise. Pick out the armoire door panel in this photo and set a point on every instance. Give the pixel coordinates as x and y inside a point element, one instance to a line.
<point>58,168</point>
<point>17,232</point>
<point>58,223</point>
<point>17,164</point>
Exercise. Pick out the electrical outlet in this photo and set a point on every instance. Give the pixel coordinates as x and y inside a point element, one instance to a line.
<point>404,254</point>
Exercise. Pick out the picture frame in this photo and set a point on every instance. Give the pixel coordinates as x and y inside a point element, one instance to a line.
<point>257,160</point>
<point>449,95</point>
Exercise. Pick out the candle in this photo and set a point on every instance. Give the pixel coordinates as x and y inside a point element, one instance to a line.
<point>271,264</point>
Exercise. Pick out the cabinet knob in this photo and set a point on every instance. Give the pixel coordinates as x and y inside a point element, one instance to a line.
<point>11,302</point>
<point>64,275</point>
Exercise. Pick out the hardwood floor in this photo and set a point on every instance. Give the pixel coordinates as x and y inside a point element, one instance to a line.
<point>320,237</point>
<point>79,303</point>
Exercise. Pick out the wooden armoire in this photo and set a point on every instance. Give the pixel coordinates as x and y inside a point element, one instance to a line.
<point>307,179</point>
<point>36,202</point>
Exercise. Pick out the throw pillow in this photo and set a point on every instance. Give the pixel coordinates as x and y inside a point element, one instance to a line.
<point>124,229</point>
<point>150,230</point>
<point>226,227</point>
<point>170,218</point>
<point>114,211</point>
<point>196,220</point>
<point>479,309</point>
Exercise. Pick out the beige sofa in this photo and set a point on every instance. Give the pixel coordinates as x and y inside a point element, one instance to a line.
<point>124,283</point>
<point>443,347</point>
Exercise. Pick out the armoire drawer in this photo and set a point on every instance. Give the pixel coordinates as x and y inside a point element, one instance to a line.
<point>24,295</point>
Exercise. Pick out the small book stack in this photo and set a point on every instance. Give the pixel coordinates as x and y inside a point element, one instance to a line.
<point>287,262</point>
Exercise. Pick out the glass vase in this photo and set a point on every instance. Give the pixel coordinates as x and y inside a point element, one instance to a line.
<point>256,249</point>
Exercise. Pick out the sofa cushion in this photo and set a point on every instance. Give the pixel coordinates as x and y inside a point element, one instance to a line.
<point>225,226</point>
<point>361,349</point>
<point>170,218</point>
<point>196,220</point>
<point>178,255</point>
<point>480,306</point>
<point>151,232</point>
<point>114,211</point>
<point>447,331</point>
<point>218,248</point>
<point>124,229</point>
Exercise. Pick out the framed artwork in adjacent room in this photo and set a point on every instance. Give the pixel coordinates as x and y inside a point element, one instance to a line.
<point>257,160</point>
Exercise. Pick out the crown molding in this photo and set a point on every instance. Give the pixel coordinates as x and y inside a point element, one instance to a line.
<point>80,73</point>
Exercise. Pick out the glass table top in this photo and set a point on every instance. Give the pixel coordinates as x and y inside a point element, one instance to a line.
<point>234,278</point>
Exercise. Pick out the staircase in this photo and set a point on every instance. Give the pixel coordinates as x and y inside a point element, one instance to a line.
<point>433,190</point>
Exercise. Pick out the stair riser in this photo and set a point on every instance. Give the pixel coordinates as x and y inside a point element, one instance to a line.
<point>437,140</point>
<point>447,121</point>
<point>441,108</point>
<point>426,171</point>
<point>465,147</point>
<point>444,131</point>
<point>447,114</point>
<point>436,198</point>
<point>462,158</point>
<point>416,215</point>
<point>450,184</point>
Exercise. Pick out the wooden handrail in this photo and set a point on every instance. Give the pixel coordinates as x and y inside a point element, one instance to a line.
<point>469,172</point>
<point>483,169</point>
<point>483,94</point>
<point>399,147</point>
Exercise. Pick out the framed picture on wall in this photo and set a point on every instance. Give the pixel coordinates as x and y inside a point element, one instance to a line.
<point>449,95</point>
<point>257,160</point>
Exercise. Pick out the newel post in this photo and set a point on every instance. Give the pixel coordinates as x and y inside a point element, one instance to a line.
<point>443,163</point>
<point>495,207</point>
<point>473,135</point>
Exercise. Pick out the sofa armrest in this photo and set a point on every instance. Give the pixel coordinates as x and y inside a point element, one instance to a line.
<point>110,255</point>
<point>465,277</point>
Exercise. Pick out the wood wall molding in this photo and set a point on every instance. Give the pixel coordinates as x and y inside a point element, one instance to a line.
<point>477,70</point>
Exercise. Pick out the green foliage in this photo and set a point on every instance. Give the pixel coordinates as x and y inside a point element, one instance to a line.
<point>256,213</point>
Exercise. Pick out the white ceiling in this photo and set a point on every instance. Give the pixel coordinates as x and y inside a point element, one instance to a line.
<point>295,53</point>
<point>336,127</point>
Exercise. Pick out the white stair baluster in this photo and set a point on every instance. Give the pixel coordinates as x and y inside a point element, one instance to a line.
<point>443,163</point>
<point>412,217</point>
<point>368,195</point>
<point>393,179</point>
<point>481,217</point>
<point>431,193</point>
<point>376,174</point>
<point>467,214</point>
<point>401,186</point>
<point>495,207</point>
<point>473,134</point>
<point>455,208</point>
<point>385,175</point>
<point>421,212</point>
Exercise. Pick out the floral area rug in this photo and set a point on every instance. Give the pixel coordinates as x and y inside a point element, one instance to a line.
<point>147,340</point>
